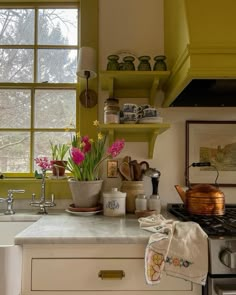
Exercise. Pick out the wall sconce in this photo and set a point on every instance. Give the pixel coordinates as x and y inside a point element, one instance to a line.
<point>87,69</point>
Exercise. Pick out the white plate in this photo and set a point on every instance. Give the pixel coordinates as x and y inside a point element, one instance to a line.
<point>151,120</point>
<point>83,213</point>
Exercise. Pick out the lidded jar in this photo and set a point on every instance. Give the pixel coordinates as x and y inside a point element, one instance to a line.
<point>154,203</point>
<point>113,64</point>
<point>160,64</point>
<point>114,203</point>
<point>141,202</point>
<point>128,63</point>
<point>111,111</point>
<point>144,64</point>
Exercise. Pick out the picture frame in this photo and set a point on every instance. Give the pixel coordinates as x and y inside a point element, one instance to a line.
<point>214,142</point>
<point>112,168</point>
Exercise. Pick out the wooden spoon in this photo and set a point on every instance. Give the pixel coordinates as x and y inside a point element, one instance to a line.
<point>124,170</point>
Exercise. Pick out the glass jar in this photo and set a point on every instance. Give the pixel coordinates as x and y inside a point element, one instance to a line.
<point>141,202</point>
<point>154,203</point>
<point>144,64</point>
<point>160,64</point>
<point>111,111</point>
<point>113,64</point>
<point>128,63</point>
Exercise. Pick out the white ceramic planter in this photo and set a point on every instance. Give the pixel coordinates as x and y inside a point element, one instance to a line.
<point>85,194</point>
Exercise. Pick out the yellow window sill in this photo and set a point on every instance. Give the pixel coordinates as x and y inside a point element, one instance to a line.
<point>58,187</point>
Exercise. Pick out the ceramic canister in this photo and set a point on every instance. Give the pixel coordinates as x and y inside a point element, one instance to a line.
<point>132,189</point>
<point>114,203</point>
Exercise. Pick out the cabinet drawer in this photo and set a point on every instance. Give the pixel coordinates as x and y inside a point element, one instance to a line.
<point>82,274</point>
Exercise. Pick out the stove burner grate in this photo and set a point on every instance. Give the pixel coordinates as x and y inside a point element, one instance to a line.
<point>224,225</point>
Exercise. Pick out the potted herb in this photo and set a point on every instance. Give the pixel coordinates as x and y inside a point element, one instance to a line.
<point>59,152</point>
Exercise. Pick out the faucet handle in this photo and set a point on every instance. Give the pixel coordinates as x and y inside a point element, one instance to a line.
<point>13,191</point>
<point>53,200</point>
<point>33,197</point>
<point>18,191</point>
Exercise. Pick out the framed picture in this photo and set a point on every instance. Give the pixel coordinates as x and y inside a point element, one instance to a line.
<point>112,168</point>
<point>214,142</point>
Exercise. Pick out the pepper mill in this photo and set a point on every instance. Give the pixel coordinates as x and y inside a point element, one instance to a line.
<point>154,202</point>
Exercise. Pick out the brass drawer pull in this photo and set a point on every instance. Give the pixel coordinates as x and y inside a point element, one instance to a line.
<point>111,274</point>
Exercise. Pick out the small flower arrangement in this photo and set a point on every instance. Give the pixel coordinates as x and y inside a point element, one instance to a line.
<point>86,155</point>
<point>44,163</point>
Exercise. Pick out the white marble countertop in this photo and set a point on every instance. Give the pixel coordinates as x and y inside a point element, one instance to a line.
<point>64,228</point>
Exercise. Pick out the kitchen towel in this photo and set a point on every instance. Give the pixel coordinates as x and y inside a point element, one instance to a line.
<point>178,248</point>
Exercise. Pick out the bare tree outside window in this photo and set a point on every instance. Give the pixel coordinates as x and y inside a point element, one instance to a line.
<point>37,83</point>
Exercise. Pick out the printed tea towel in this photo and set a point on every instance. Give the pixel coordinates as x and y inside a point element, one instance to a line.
<point>179,249</point>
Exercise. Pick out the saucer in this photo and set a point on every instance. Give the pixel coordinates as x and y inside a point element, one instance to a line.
<point>72,208</point>
<point>83,213</point>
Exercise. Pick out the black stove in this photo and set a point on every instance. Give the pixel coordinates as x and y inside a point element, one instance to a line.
<point>221,231</point>
<point>224,225</point>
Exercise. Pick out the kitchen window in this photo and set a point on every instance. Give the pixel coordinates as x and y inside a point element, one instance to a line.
<point>38,82</point>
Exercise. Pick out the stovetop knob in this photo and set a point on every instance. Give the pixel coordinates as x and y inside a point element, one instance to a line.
<point>228,258</point>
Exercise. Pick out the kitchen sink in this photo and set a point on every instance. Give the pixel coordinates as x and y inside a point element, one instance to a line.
<point>10,254</point>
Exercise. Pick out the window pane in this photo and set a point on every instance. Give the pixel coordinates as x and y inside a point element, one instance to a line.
<point>15,108</point>
<point>55,108</point>
<point>42,143</point>
<point>16,26</point>
<point>16,65</point>
<point>57,66</point>
<point>57,26</point>
<point>15,152</point>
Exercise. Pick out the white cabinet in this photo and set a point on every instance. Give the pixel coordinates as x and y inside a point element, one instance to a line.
<point>93,269</point>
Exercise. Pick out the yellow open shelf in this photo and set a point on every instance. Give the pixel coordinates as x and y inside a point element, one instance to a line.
<point>135,133</point>
<point>133,84</point>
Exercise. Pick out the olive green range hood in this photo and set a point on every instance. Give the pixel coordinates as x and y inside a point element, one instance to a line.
<point>200,45</point>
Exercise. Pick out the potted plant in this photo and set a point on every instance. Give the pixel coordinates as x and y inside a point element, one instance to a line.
<point>59,152</point>
<point>85,156</point>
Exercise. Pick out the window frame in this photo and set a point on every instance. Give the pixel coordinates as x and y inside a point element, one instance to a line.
<point>35,85</point>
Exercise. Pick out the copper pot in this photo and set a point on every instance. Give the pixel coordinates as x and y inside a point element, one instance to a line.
<point>203,199</point>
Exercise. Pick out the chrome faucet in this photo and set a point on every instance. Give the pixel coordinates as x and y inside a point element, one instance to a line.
<point>10,200</point>
<point>42,203</point>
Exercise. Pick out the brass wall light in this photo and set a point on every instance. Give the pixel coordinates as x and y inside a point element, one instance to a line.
<point>87,69</point>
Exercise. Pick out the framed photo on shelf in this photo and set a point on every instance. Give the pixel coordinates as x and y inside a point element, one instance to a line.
<point>214,142</point>
<point>112,168</point>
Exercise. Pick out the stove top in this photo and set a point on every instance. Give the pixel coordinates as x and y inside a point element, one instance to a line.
<point>224,225</point>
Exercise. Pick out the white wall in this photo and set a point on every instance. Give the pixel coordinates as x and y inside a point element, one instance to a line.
<point>137,26</point>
